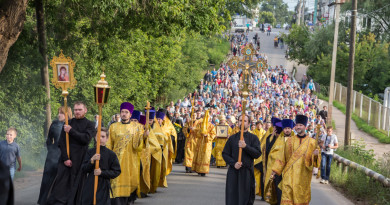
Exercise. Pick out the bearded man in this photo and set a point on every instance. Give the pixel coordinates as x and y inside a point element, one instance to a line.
<point>66,186</point>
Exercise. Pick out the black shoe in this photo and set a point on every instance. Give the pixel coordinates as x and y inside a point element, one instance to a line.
<point>203,174</point>
<point>218,166</point>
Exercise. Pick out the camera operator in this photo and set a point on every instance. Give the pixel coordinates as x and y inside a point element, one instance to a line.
<point>328,144</point>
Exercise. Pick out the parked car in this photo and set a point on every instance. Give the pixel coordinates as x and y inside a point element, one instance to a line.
<point>278,26</point>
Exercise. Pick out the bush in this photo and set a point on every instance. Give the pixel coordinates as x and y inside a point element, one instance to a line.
<point>356,184</point>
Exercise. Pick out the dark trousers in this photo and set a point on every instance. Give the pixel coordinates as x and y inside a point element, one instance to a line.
<point>326,161</point>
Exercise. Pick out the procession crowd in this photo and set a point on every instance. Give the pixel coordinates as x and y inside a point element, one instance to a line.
<point>138,147</point>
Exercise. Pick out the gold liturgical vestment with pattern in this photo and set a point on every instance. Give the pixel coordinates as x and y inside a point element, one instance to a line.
<point>296,164</point>
<point>257,172</point>
<point>169,130</point>
<point>201,163</point>
<point>218,148</point>
<point>150,155</point>
<point>126,140</point>
<point>190,145</point>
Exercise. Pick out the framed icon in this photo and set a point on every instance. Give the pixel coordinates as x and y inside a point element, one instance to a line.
<point>222,131</point>
<point>63,76</point>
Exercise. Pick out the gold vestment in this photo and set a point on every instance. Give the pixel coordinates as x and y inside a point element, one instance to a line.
<point>190,144</point>
<point>296,165</point>
<point>218,148</point>
<point>126,141</point>
<point>201,163</point>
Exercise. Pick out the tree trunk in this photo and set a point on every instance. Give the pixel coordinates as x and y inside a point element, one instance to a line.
<point>44,69</point>
<point>12,17</point>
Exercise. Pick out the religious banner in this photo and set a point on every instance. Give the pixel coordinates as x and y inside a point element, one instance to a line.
<point>222,131</point>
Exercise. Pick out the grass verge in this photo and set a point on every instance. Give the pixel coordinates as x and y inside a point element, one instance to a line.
<point>356,185</point>
<point>361,124</point>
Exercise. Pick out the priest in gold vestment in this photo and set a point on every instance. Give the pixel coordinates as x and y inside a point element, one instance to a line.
<point>169,130</point>
<point>259,131</point>
<point>220,144</point>
<point>258,170</point>
<point>163,132</point>
<point>151,156</point>
<point>205,132</point>
<point>189,148</point>
<point>296,165</point>
<point>262,165</point>
<point>126,140</point>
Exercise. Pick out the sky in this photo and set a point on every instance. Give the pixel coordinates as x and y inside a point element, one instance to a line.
<point>292,3</point>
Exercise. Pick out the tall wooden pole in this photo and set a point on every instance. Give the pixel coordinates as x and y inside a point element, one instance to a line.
<point>65,94</point>
<point>333,69</point>
<point>242,126</point>
<point>351,70</point>
<point>97,152</point>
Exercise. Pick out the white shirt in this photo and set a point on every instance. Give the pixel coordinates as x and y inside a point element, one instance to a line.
<point>329,140</point>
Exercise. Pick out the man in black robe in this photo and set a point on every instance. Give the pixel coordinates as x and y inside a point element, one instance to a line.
<point>240,180</point>
<point>53,154</point>
<point>181,139</point>
<point>109,168</point>
<point>65,187</point>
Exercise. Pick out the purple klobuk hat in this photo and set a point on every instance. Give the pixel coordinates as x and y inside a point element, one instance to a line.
<point>128,106</point>
<point>279,127</point>
<point>142,119</point>
<point>136,115</point>
<point>160,115</point>
<point>288,123</point>
<point>275,120</point>
<point>152,113</point>
<point>301,119</point>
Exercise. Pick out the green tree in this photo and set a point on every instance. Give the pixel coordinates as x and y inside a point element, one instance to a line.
<point>267,17</point>
<point>279,9</point>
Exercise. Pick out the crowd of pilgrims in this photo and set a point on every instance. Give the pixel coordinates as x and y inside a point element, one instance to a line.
<point>137,153</point>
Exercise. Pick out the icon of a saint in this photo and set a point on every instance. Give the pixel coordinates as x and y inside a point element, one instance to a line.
<point>63,75</point>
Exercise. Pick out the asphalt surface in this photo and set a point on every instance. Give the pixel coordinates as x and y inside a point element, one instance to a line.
<point>191,189</point>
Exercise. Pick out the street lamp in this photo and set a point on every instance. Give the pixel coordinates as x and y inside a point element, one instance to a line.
<point>102,90</point>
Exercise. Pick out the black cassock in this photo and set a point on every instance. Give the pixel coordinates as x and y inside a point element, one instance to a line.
<point>51,163</point>
<point>66,186</point>
<point>240,184</point>
<point>109,164</point>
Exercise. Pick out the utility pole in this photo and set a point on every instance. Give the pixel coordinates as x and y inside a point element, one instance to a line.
<point>298,20</point>
<point>351,71</point>
<point>334,58</point>
<point>315,12</point>
<point>303,13</point>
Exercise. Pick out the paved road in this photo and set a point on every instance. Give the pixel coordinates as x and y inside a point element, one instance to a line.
<point>187,189</point>
<point>191,189</point>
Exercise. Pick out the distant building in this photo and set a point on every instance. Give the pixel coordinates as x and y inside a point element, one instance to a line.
<point>326,13</point>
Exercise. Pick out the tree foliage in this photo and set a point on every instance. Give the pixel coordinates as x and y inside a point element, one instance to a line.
<point>372,59</point>
<point>267,17</point>
<point>279,9</point>
<point>242,7</point>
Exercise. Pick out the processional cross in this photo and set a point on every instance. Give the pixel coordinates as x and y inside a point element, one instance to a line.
<point>247,64</point>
